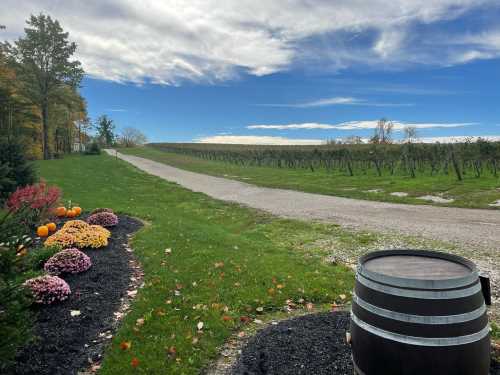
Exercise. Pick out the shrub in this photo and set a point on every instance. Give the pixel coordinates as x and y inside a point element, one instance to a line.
<point>93,149</point>
<point>97,210</point>
<point>68,261</point>
<point>17,171</point>
<point>105,219</point>
<point>15,320</point>
<point>78,233</point>
<point>40,200</point>
<point>48,289</point>
<point>36,257</point>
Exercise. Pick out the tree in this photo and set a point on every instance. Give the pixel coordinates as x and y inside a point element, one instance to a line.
<point>106,130</point>
<point>131,137</point>
<point>383,132</point>
<point>410,134</point>
<point>15,170</point>
<point>44,63</point>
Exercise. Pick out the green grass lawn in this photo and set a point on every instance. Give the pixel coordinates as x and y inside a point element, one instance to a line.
<point>471,192</point>
<point>225,262</point>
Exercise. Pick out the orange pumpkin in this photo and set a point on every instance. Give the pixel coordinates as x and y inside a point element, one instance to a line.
<point>52,227</point>
<point>42,231</point>
<point>70,213</point>
<point>61,211</point>
<point>78,210</point>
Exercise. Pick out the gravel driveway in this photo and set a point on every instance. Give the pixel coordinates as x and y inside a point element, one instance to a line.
<point>469,227</point>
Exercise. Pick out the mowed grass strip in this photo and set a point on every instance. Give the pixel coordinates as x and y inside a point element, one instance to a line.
<point>226,262</point>
<point>472,192</point>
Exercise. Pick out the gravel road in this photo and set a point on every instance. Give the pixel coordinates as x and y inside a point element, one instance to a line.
<point>469,227</point>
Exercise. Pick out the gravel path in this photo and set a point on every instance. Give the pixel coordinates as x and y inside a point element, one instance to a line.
<point>469,227</point>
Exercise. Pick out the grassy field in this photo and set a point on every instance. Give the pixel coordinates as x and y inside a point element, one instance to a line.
<point>471,192</point>
<point>226,262</point>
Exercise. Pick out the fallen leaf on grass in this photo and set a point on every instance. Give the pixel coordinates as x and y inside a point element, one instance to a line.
<point>172,352</point>
<point>259,309</point>
<point>125,345</point>
<point>244,319</point>
<point>75,312</point>
<point>135,362</point>
<point>200,326</point>
<point>227,318</point>
<point>168,251</point>
<point>219,264</point>
<point>310,306</point>
<point>139,322</point>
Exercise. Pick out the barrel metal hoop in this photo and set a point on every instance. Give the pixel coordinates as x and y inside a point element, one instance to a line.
<point>419,319</point>
<point>457,282</point>
<point>421,294</point>
<point>421,341</point>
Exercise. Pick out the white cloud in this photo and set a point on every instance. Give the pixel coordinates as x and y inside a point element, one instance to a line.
<point>307,125</point>
<point>337,100</point>
<point>361,125</point>
<point>209,40</point>
<point>257,140</point>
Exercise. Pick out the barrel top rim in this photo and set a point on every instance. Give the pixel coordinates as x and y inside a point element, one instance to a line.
<point>402,281</point>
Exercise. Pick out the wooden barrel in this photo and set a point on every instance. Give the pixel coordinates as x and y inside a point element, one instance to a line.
<point>418,312</point>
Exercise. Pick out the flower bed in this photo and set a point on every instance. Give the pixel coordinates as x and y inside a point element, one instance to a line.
<point>68,330</point>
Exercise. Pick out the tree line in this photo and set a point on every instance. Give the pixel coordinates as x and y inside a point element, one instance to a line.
<point>468,158</point>
<point>40,103</point>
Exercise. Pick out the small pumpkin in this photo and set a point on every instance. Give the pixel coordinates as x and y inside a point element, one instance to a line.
<point>42,231</point>
<point>52,227</point>
<point>78,210</point>
<point>70,213</point>
<point>61,211</point>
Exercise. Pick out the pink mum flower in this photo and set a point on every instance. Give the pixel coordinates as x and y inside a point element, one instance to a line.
<point>48,289</point>
<point>68,261</point>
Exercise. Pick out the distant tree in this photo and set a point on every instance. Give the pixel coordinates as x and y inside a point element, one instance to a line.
<point>44,63</point>
<point>410,134</point>
<point>383,132</point>
<point>131,137</point>
<point>106,130</point>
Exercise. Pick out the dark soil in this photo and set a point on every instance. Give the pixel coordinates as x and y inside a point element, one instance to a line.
<point>65,344</point>
<point>311,344</point>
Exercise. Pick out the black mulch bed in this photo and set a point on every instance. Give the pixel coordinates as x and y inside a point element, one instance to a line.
<point>63,344</point>
<point>311,344</point>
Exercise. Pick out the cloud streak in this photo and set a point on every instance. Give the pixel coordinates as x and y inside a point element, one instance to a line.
<point>257,140</point>
<point>338,100</point>
<point>360,125</point>
<point>168,42</point>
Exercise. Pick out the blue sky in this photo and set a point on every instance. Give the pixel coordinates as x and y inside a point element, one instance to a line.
<point>285,71</point>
